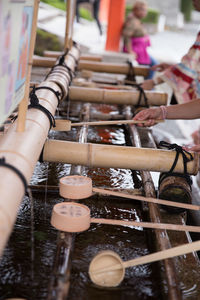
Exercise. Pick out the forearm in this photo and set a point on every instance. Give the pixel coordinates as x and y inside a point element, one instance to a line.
<point>189,110</point>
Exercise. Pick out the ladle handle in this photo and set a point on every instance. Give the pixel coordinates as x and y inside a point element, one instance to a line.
<point>160,255</point>
<point>112,122</point>
<point>166,226</point>
<point>147,199</point>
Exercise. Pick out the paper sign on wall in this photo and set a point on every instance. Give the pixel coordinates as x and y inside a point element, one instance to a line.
<point>15,34</point>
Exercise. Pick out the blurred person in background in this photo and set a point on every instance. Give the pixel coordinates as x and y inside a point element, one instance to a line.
<point>136,39</point>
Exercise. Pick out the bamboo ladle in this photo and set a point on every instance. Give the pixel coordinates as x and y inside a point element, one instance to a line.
<point>65,125</point>
<point>75,217</point>
<point>80,187</point>
<point>107,269</point>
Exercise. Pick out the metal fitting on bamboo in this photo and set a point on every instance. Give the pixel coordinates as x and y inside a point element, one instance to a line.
<point>115,96</point>
<point>174,188</point>
<point>122,68</point>
<point>107,156</point>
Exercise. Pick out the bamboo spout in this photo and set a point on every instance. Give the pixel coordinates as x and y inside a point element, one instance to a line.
<point>107,156</point>
<point>115,96</point>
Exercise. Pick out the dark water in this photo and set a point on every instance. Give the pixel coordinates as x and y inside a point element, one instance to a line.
<point>27,263</point>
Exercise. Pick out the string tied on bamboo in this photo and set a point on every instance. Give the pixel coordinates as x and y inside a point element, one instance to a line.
<point>3,163</point>
<point>187,156</point>
<point>61,62</point>
<point>34,103</point>
<point>131,72</point>
<point>141,95</point>
<point>56,93</point>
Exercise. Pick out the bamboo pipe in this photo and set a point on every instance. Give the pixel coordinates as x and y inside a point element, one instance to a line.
<point>22,149</point>
<point>65,125</point>
<point>147,199</point>
<point>49,62</point>
<point>94,155</point>
<point>151,225</point>
<point>24,103</point>
<point>46,62</point>
<point>115,96</point>
<point>55,54</point>
<point>122,68</point>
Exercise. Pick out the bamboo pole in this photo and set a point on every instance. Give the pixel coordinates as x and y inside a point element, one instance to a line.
<point>68,24</point>
<point>73,11</point>
<point>24,103</point>
<point>95,155</point>
<point>120,68</point>
<point>46,62</point>
<point>55,54</point>
<point>49,62</point>
<point>115,96</point>
<point>151,225</point>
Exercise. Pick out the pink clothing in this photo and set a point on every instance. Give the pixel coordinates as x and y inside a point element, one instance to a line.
<point>139,46</point>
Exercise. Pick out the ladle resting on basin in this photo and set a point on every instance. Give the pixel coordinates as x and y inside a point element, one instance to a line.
<point>80,187</point>
<point>107,269</point>
<point>75,217</point>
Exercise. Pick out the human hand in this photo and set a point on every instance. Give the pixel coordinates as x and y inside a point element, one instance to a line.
<point>195,148</point>
<point>147,84</point>
<point>150,115</point>
<point>160,67</point>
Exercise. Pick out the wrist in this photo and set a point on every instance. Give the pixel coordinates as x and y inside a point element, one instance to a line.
<point>163,111</point>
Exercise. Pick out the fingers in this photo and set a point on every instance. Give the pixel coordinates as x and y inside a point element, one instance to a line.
<point>148,115</point>
<point>195,148</point>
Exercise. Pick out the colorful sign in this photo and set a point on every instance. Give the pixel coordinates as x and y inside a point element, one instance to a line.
<point>15,34</point>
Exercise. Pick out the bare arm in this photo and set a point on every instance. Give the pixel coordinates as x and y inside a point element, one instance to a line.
<point>189,110</point>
